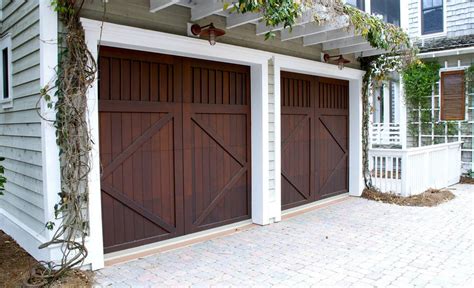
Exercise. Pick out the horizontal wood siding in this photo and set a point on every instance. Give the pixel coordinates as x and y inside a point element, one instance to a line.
<point>20,126</point>
<point>271,129</point>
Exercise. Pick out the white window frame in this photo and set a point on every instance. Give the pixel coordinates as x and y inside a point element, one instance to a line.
<point>6,42</point>
<point>432,35</point>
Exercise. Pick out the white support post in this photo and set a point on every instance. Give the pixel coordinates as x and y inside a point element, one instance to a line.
<point>261,211</point>
<point>50,150</point>
<point>355,135</point>
<point>386,104</point>
<point>96,251</point>
<point>277,109</point>
<point>403,115</point>
<point>432,116</point>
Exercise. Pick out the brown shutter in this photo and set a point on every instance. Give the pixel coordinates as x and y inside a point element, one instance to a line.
<point>453,97</point>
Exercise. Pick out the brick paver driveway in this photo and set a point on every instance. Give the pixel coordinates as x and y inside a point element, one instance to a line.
<point>353,243</point>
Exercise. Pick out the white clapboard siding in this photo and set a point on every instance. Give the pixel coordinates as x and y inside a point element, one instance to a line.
<point>271,128</point>
<point>20,126</point>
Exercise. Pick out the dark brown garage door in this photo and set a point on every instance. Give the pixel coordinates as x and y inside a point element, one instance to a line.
<point>174,146</point>
<point>314,138</point>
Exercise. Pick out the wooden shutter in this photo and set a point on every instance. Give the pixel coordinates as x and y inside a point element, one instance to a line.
<point>453,96</point>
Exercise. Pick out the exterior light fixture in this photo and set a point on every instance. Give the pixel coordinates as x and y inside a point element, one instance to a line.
<point>208,31</point>
<point>341,61</point>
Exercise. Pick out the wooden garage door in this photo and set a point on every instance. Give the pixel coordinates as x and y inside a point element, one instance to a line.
<point>170,165</point>
<point>314,113</point>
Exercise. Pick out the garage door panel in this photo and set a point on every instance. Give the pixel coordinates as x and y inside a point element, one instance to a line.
<point>216,84</point>
<point>155,185</point>
<point>219,172</point>
<point>296,160</point>
<point>140,177</point>
<point>314,119</point>
<point>332,161</point>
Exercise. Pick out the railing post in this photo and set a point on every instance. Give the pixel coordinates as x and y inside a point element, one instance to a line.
<point>405,175</point>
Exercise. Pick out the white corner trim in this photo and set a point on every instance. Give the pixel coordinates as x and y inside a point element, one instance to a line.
<point>50,151</point>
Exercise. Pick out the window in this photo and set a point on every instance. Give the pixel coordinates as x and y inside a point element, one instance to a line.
<point>431,16</point>
<point>453,97</point>
<point>388,11</point>
<point>356,3</point>
<point>6,72</point>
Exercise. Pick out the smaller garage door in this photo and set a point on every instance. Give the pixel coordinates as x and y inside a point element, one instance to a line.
<point>314,113</point>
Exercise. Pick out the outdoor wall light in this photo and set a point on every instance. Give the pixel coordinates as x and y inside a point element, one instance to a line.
<point>341,61</point>
<point>208,31</point>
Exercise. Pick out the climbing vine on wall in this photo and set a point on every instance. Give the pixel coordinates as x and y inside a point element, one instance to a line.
<point>419,78</point>
<point>75,74</point>
<point>3,180</point>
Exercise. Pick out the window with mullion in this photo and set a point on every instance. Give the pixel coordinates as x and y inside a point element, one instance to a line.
<point>431,16</point>
<point>356,3</point>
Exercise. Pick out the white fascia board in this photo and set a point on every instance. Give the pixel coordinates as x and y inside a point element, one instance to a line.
<point>159,42</point>
<point>450,52</point>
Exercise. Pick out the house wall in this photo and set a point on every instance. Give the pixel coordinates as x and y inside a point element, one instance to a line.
<point>458,13</point>
<point>20,126</point>
<point>173,20</point>
<point>464,129</point>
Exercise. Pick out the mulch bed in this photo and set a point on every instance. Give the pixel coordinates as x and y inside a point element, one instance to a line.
<point>466,180</point>
<point>16,263</point>
<point>429,198</point>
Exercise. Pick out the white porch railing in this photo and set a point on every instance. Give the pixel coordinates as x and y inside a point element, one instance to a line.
<point>412,171</point>
<point>385,134</point>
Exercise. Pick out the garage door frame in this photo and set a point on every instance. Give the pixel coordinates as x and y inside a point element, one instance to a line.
<point>354,76</point>
<point>107,34</point>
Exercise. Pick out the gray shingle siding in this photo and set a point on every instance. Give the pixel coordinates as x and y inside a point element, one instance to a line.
<point>20,126</point>
<point>459,18</point>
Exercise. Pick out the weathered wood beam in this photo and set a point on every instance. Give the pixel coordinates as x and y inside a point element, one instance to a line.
<point>319,38</point>
<point>208,8</point>
<point>345,42</point>
<point>356,48</point>
<point>157,5</point>
<point>372,52</point>
<point>307,17</point>
<point>237,19</point>
<point>313,28</point>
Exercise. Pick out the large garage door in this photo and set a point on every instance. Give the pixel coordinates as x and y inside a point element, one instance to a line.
<point>314,113</point>
<point>174,146</point>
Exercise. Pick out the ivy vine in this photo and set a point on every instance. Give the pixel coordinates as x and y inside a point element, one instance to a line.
<point>419,79</point>
<point>75,74</point>
<point>3,180</point>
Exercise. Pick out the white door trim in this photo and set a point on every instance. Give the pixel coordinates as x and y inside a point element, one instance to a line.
<point>158,42</point>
